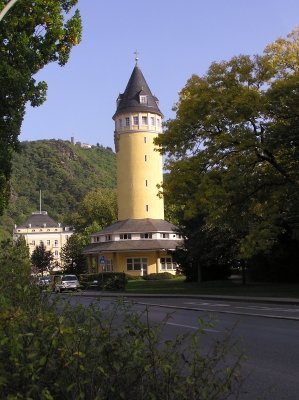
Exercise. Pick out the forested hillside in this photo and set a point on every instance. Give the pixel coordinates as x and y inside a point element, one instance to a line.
<point>62,171</point>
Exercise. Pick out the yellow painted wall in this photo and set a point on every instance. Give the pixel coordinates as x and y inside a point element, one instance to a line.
<point>137,162</point>
<point>120,261</point>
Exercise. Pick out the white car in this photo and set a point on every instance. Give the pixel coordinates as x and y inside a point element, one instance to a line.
<point>67,282</point>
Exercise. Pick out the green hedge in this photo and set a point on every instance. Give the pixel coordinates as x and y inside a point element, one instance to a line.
<point>133,278</point>
<point>158,277</point>
<point>111,280</point>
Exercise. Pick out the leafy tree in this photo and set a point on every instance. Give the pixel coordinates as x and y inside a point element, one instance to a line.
<point>74,261</point>
<point>206,253</point>
<point>233,146</point>
<point>14,259</point>
<point>32,35</point>
<point>42,259</point>
<point>99,206</point>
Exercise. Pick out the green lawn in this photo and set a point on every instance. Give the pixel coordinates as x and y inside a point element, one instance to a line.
<point>227,288</point>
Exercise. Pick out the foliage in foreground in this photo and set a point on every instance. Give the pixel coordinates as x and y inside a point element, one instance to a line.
<point>56,348</point>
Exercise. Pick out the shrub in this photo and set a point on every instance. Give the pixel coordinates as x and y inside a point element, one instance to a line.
<point>159,277</point>
<point>133,278</point>
<point>107,353</point>
<point>53,348</point>
<point>111,280</point>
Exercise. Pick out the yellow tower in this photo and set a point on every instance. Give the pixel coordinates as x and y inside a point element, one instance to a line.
<point>138,121</point>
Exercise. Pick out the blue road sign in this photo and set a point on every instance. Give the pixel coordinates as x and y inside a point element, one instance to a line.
<point>102,260</point>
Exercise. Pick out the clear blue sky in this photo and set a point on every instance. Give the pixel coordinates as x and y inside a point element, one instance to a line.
<point>175,39</point>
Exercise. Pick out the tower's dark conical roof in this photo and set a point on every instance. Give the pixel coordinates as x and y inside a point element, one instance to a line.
<point>129,101</point>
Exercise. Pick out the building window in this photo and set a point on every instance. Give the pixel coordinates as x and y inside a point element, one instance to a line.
<point>127,121</point>
<point>145,236</point>
<point>146,208</point>
<point>145,158</point>
<point>98,239</point>
<point>56,253</point>
<point>152,121</point>
<point>48,230</point>
<point>19,230</point>
<point>144,139</point>
<point>120,123</point>
<point>167,264</point>
<point>108,237</point>
<point>40,230</point>
<point>66,237</point>
<point>165,235</point>
<point>146,183</point>
<point>33,242</point>
<point>143,99</point>
<point>158,122</point>
<point>108,267</point>
<point>136,264</point>
<point>135,120</point>
<point>56,230</point>
<point>40,242</point>
<point>48,242</point>
<point>56,243</point>
<point>33,230</point>
<point>125,236</point>
<point>144,120</point>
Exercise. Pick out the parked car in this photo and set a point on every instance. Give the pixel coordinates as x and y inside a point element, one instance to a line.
<point>43,281</point>
<point>67,282</point>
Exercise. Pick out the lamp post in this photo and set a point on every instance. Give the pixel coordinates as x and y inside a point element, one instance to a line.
<point>7,8</point>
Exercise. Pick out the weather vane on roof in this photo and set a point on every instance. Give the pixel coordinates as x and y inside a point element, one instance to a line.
<point>136,54</point>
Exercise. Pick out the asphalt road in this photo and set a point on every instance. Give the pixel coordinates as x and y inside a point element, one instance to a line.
<point>270,333</point>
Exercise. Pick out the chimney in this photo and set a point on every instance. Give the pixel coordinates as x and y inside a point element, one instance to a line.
<point>73,140</point>
<point>15,226</point>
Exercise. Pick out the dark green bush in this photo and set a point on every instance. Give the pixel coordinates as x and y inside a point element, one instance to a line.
<point>105,353</point>
<point>111,280</point>
<point>158,277</point>
<point>54,348</point>
<point>133,278</point>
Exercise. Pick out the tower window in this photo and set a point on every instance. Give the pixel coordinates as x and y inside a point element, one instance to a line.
<point>48,243</point>
<point>146,183</point>
<point>120,122</point>
<point>158,122</point>
<point>146,208</point>
<point>145,158</point>
<point>144,139</point>
<point>127,121</point>
<point>152,121</point>
<point>135,120</point>
<point>144,120</point>
<point>143,99</point>
<point>165,235</point>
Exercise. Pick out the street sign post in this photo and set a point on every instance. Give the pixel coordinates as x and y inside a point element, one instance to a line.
<point>102,263</point>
